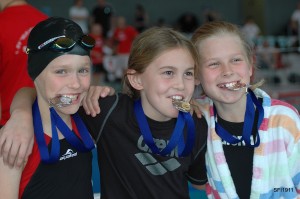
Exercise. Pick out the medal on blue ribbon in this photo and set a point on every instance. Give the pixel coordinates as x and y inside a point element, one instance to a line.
<point>85,144</point>
<point>248,123</point>
<point>177,138</point>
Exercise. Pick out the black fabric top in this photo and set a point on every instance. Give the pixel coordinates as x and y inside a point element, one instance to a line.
<point>70,177</point>
<point>128,169</point>
<point>239,157</point>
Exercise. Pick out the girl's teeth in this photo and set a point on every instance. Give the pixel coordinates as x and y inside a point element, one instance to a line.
<point>66,100</point>
<point>230,85</point>
<point>70,96</point>
<point>62,101</point>
<point>177,98</point>
<point>235,86</point>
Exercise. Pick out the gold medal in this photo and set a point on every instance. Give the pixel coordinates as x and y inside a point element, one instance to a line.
<point>181,105</point>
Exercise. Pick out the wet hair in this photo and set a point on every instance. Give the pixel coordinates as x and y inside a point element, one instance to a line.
<point>149,45</point>
<point>219,28</point>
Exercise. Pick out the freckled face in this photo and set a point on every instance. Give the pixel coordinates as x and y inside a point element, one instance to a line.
<point>170,74</point>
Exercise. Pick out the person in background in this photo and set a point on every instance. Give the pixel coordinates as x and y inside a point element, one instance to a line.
<point>60,66</point>
<point>295,19</point>
<point>80,14</point>
<point>102,14</point>
<point>251,29</point>
<point>141,18</point>
<point>161,22</point>
<point>254,141</point>
<point>140,134</point>
<point>97,53</point>
<point>187,23</point>
<point>17,18</point>
<point>122,39</point>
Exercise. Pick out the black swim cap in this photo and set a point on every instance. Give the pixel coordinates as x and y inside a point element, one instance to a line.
<point>51,28</point>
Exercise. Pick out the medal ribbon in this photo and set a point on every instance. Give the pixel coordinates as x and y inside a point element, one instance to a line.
<point>248,123</point>
<point>85,144</point>
<point>177,138</point>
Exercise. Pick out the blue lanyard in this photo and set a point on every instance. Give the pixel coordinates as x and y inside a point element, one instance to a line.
<point>248,123</point>
<point>85,144</point>
<point>177,138</point>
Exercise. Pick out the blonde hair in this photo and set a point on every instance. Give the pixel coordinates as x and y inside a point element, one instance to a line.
<point>217,28</point>
<point>149,45</point>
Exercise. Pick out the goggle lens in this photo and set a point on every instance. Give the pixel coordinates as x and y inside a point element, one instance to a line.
<point>88,41</point>
<point>63,43</point>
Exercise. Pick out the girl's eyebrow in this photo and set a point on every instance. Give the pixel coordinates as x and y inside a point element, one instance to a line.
<point>173,67</point>
<point>70,66</point>
<point>209,60</point>
<point>191,68</point>
<point>162,67</point>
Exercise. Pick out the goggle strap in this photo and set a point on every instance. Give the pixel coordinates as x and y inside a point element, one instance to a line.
<point>49,41</point>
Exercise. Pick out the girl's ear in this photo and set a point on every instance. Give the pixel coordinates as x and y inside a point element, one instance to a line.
<point>134,79</point>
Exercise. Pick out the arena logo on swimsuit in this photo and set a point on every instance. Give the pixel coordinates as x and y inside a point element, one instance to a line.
<point>160,143</point>
<point>151,164</point>
<point>69,154</point>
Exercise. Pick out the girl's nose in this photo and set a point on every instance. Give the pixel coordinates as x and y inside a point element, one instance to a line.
<point>74,81</point>
<point>226,70</point>
<point>179,84</point>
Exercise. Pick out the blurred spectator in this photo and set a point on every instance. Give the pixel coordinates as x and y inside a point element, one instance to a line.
<point>113,25</point>
<point>102,14</point>
<point>140,18</point>
<point>290,28</point>
<point>250,29</point>
<point>269,58</point>
<point>97,53</point>
<point>161,22</point>
<point>122,39</point>
<point>123,36</point>
<point>17,18</point>
<point>266,56</point>
<point>295,19</point>
<point>80,14</point>
<point>187,23</point>
<point>210,15</point>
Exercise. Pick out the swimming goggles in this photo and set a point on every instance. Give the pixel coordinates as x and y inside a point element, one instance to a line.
<point>64,44</point>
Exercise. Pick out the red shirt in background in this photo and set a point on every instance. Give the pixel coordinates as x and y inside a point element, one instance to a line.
<point>97,51</point>
<point>124,37</point>
<point>16,23</point>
